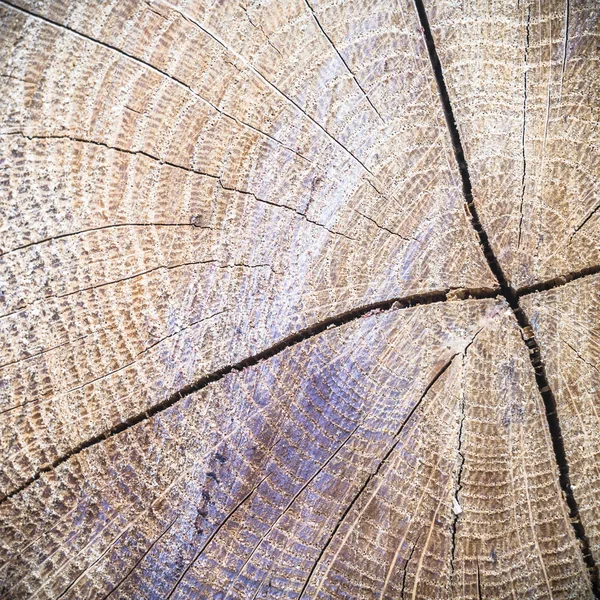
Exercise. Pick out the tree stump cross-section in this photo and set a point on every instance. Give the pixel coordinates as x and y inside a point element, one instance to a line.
<point>299,299</point>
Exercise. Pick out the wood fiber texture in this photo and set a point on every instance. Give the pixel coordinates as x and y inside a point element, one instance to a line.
<point>299,299</point>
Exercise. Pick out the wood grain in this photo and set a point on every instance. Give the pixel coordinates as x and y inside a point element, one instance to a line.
<point>299,299</point>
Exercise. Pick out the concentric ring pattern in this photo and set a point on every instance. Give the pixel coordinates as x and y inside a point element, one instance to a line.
<point>299,299</point>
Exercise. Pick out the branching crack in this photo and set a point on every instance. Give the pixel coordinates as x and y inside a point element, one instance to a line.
<point>286,207</point>
<point>512,297</point>
<point>150,66</point>
<point>261,29</point>
<point>318,471</point>
<point>74,138</point>
<point>270,84</point>
<point>154,543</point>
<point>505,289</point>
<point>171,164</point>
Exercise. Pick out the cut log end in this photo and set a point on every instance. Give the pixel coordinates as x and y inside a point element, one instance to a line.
<point>299,299</point>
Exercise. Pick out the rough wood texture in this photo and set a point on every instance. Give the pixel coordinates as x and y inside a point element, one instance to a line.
<point>522,79</point>
<point>299,299</point>
<point>561,319</point>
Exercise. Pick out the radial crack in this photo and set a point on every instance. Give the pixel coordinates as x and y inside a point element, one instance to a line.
<point>382,461</point>
<point>269,84</point>
<point>524,124</point>
<point>456,501</point>
<point>412,551</point>
<point>447,295</point>
<point>512,297</point>
<point>385,228</point>
<point>136,564</point>
<point>150,66</point>
<point>286,207</point>
<point>584,222</point>
<point>555,282</point>
<point>99,228</point>
<point>580,357</point>
<point>360,87</point>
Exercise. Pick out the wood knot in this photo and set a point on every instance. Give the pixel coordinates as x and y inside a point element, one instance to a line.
<point>196,221</point>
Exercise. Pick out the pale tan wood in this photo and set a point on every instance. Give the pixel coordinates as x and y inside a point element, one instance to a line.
<point>229,460</point>
<point>527,107</point>
<point>216,221</point>
<point>105,323</point>
<point>566,322</point>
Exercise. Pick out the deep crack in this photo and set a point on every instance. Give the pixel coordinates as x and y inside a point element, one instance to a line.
<point>559,281</point>
<point>505,289</point>
<point>434,297</point>
<point>512,297</point>
<point>458,488</point>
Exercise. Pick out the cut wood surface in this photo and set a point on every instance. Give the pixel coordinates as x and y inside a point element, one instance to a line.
<point>299,299</point>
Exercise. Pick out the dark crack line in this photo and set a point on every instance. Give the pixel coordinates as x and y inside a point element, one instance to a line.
<point>583,223</point>
<point>270,84</point>
<point>412,551</point>
<point>558,281</point>
<point>152,68</point>
<point>45,351</point>
<point>214,533</point>
<point>136,276</point>
<point>188,326</point>
<point>458,487</point>
<point>99,228</point>
<point>435,297</point>
<point>459,154</point>
<point>367,481</point>
<point>524,125</point>
<point>286,207</point>
<point>82,140</point>
<point>156,12</point>
<point>160,161</point>
<point>456,503</point>
<point>260,28</point>
<point>579,355</point>
<point>505,290</point>
<point>360,87</point>
<point>384,228</point>
<point>512,297</point>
